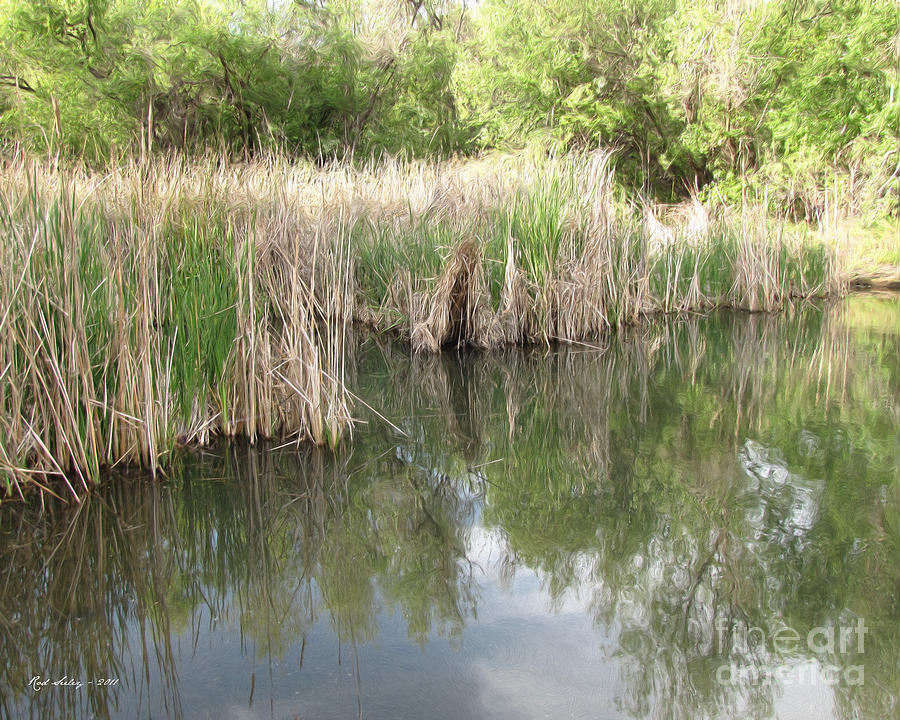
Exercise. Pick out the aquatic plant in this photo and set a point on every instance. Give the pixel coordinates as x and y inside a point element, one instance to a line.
<point>133,324</point>
<point>163,302</point>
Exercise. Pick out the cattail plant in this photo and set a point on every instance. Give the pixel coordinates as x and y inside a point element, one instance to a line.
<point>167,301</point>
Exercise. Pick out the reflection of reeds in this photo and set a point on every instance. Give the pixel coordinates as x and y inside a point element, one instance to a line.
<point>71,581</point>
<point>679,395</point>
<point>733,368</point>
<point>616,474</point>
<point>612,471</point>
<point>264,542</point>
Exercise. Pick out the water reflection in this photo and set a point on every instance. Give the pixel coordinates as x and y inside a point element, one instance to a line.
<point>585,532</point>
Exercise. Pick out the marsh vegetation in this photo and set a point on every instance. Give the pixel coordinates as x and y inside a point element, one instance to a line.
<point>198,200</point>
<point>163,303</point>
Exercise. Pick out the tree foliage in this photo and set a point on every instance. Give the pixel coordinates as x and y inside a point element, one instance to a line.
<point>690,93</point>
<point>89,76</point>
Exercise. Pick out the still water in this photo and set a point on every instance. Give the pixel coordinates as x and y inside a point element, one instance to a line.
<point>699,519</point>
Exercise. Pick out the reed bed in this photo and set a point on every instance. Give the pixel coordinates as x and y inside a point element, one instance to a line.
<point>168,301</point>
<point>136,318</point>
<point>555,253</point>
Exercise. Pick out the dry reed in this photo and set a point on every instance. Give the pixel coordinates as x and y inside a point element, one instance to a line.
<point>165,302</point>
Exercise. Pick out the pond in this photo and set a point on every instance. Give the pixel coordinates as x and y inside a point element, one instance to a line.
<point>694,519</point>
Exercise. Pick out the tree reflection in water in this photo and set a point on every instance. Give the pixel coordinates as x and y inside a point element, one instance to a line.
<point>681,486</point>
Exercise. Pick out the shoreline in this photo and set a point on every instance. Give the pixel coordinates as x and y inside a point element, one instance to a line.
<point>112,474</point>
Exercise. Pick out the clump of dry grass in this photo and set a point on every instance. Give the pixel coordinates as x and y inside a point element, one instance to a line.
<point>136,316</point>
<point>549,251</point>
<point>169,301</point>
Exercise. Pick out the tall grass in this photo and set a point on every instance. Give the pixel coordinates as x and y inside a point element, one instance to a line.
<point>518,250</point>
<point>164,302</point>
<point>554,253</point>
<point>130,327</point>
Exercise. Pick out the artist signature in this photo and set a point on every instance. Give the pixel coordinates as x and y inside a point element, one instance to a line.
<point>37,683</point>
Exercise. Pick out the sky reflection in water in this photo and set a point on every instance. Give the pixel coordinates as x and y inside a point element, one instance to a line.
<point>584,533</point>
